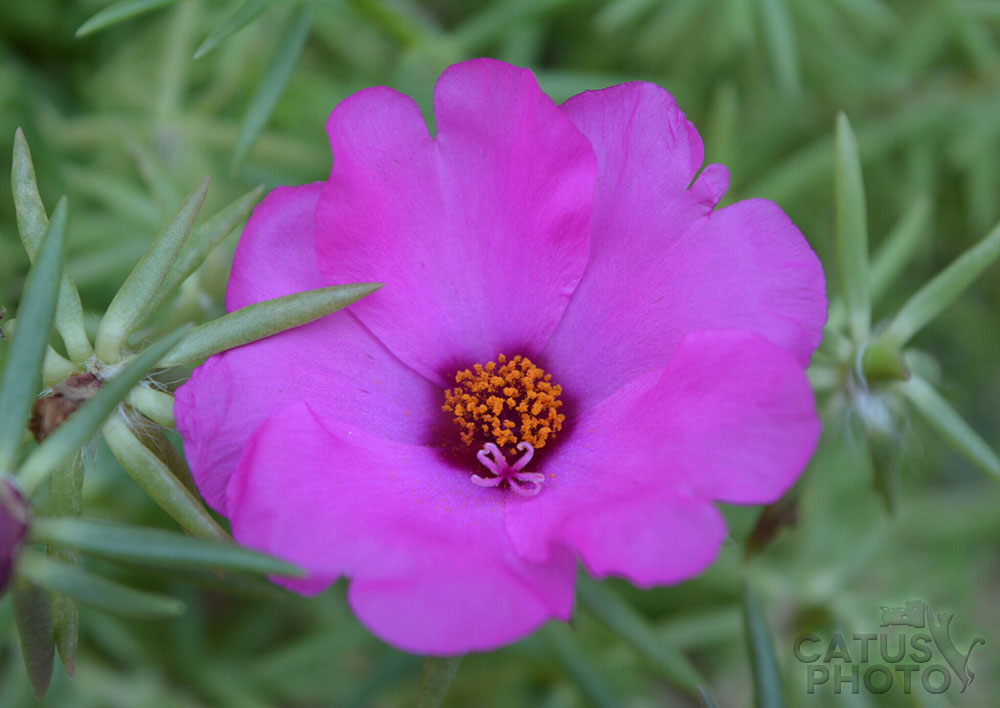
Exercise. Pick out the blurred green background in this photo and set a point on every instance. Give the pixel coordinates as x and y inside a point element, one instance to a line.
<point>125,121</point>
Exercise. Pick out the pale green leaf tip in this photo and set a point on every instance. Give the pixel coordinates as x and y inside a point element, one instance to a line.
<point>705,700</point>
<point>203,49</point>
<point>85,29</point>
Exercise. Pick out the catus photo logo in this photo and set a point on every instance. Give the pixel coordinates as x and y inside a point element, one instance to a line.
<point>913,649</point>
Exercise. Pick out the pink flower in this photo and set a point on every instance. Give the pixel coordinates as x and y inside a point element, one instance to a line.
<point>675,337</point>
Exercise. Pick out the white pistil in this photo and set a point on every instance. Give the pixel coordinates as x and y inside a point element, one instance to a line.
<point>516,479</point>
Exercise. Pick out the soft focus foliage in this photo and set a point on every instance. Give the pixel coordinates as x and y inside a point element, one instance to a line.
<point>126,123</point>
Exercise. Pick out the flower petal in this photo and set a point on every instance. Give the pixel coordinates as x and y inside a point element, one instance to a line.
<point>334,363</point>
<point>662,263</point>
<point>480,235</point>
<point>730,418</point>
<point>431,567</point>
<point>276,255</point>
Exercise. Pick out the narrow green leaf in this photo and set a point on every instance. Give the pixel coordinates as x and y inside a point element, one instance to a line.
<point>891,257</point>
<point>156,547</point>
<point>873,14</point>
<point>619,616</point>
<point>397,25</point>
<point>66,499</point>
<point>69,437</point>
<point>119,12</point>
<point>435,679</point>
<point>156,479</point>
<point>155,438</point>
<point>264,319</point>
<point>885,451</point>
<point>144,280</point>
<point>705,700</point>
<point>274,81</point>
<point>95,591</point>
<point>66,624</point>
<point>591,683</point>
<point>158,178</point>
<point>242,15</point>
<point>156,405</point>
<point>763,663</point>
<point>930,300</point>
<point>66,492</point>
<point>895,252</point>
<point>32,223</point>
<point>780,33</point>
<point>851,231</point>
<point>128,201</point>
<point>34,631</point>
<point>951,426</point>
<point>204,239</point>
<point>486,26</point>
<point>22,375</point>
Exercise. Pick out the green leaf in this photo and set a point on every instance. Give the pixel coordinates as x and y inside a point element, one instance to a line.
<point>34,631</point>
<point>891,257</point>
<point>930,300</point>
<point>780,33</point>
<point>66,625</point>
<point>474,34</point>
<point>155,547</point>
<point>591,683</point>
<point>705,700</point>
<point>156,405</point>
<point>394,22</point>
<point>763,663</point>
<point>161,183</point>
<point>144,280</point>
<point>851,231</point>
<point>886,450</point>
<point>22,375</point>
<point>155,438</point>
<point>894,254</point>
<point>32,223</point>
<point>69,437</point>
<point>242,15</point>
<point>156,479</point>
<point>66,492</point>
<point>263,319</point>
<point>618,615</point>
<point>274,81</point>
<point>204,239</point>
<point>95,591</point>
<point>435,679</point>
<point>119,12</point>
<point>951,426</point>
<point>66,499</point>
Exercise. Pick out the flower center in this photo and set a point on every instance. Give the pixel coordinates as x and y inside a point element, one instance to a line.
<point>503,407</point>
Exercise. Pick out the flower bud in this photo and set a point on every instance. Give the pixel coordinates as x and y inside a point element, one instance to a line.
<point>14,516</point>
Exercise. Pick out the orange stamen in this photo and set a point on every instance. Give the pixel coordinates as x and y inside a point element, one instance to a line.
<point>506,403</point>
